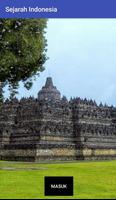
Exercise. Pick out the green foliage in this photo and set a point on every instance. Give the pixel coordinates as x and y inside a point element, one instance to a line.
<point>1,93</point>
<point>22,50</point>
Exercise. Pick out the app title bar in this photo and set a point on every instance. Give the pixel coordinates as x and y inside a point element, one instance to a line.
<point>57,8</point>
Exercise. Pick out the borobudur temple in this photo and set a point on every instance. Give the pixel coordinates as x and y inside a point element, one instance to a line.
<point>51,127</point>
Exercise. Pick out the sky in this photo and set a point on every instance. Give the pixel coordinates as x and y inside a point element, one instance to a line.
<point>82,59</point>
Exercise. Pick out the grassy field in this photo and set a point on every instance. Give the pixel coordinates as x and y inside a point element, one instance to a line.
<point>26,180</point>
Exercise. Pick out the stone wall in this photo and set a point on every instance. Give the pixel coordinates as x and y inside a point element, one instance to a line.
<point>53,128</point>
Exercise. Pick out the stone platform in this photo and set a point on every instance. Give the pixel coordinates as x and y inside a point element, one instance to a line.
<point>53,128</point>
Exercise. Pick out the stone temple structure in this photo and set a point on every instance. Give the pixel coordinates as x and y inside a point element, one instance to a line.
<point>53,128</point>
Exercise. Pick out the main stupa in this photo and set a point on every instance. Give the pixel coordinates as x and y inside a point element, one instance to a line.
<point>49,91</point>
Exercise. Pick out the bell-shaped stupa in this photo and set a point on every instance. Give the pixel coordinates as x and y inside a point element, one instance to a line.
<point>49,91</point>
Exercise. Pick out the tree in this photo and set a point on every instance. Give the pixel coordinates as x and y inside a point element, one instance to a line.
<point>22,51</point>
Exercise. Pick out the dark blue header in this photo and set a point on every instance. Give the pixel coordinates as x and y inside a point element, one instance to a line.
<point>57,8</point>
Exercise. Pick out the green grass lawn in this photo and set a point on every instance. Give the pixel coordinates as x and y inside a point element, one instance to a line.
<point>91,179</point>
